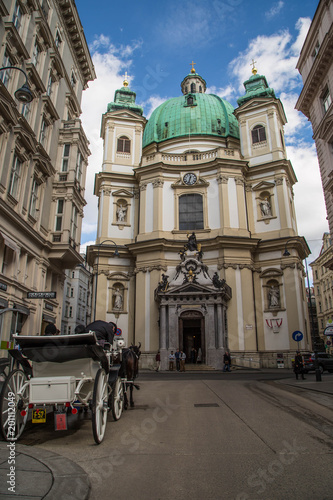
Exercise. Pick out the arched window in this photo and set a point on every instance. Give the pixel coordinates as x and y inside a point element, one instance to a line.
<point>193,88</point>
<point>258,134</point>
<point>123,145</point>
<point>191,212</point>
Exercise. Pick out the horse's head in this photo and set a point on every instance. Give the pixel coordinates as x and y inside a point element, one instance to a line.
<point>136,349</point>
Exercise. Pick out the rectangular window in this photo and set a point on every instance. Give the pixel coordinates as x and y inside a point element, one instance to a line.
<point>73,79</point>
<point>49,86</point>
<point>70,311</point>
<point>78,172</point>
<point>35,55</point>
<point>191,212</point>
<point>327,100</point>
<point>43,133</point>
<point>59,215</point>
<point>45,8</point>
<point>57,39</point>
<point>258,134</point>
<point>15,175</point>
<point>17,16</point>
<point>26,110</point>
<point>316,49</point>
<point>74,222</point>
<point>65,157</point>
<point>6,74</point>
<point>33,199</point>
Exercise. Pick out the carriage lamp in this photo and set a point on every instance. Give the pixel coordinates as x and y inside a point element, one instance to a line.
<point>24,93</point>
<point>313,337</point>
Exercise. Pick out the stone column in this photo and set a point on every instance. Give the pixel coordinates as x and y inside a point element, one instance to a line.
<point>163,335</point>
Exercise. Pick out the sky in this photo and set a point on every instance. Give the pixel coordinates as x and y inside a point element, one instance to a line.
<point>156,42</point>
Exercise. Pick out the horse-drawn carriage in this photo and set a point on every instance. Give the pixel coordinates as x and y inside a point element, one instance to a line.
<point>65,374</point>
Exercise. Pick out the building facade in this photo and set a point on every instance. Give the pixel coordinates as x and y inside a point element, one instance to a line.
<point>323,288</point>
<point>43,159</point>
<point>77,298</point>
<point>315,65</point>
<point>198,202</point>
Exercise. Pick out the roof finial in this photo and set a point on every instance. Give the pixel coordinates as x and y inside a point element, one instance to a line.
<point>192,64</point>
<point>254,69</point>
<point>125,82</point>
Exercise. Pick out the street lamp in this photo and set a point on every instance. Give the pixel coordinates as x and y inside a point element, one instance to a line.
<point>286,254</point>
<point>104,243</point>
<point>24,93</point>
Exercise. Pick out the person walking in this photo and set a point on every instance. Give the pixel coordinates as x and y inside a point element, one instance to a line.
<point>226,361</point>
<point>177,356</point>
<point>298,366</point>
<point>182,361</point>
<point>171,361</point>
<point>158,361</point>
<point>199,357</point>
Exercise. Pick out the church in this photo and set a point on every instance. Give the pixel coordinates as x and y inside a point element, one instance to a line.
<point>195,218</point>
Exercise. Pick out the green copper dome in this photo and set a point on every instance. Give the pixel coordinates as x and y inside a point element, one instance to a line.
<point>194,114</point>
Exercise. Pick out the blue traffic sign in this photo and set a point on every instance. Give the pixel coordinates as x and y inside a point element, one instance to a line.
<point>118,332</point>
<point>297,336</point>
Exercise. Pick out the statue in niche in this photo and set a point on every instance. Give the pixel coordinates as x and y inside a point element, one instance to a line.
<point>121,213</point>
<point>274,296</point>
<point>217,282</point>
<point>118,299</point>
<point>265,208</point>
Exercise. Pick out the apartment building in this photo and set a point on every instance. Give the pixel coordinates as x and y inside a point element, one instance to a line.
<point>43,159</point>
<point>77,298</point>
<point>315,65</point>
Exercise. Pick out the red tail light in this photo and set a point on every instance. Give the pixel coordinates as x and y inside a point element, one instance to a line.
<point>74,411</point>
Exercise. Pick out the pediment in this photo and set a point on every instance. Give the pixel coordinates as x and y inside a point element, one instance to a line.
<point>255,102</point>
<point>271,273</point>
<point>122,193</point>
<point>261,186</point>
<point>118,276</point>
<point>190,288</point>
<point>127,114</point>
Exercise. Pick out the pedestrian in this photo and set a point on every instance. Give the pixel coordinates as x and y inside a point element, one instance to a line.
<point>199,357</point>
<point>158,361</point>
<point>177,356</point>
<point>298,365</point>
<point>226,361</point>
<point>51,329</point>
<point>182,361</point>
<point>193,355</point>
<point>171,361</point>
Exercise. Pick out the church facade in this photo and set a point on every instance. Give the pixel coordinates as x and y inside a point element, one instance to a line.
<point>196,211</point>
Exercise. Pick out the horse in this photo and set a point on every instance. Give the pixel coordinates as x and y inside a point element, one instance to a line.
<point>129,370</point>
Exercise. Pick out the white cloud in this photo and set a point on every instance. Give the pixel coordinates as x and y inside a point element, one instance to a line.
<point>274,10</point>
<point>152,103</point>
<point>110,63</point>
<point>83,247</point>
<point>226,93</point>
<point>276,57</point>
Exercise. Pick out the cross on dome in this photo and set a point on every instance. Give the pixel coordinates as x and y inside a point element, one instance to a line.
<point>193,64</point>
<point>254,69</point>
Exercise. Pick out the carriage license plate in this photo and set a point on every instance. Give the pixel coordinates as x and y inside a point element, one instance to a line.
<point>39,416</point>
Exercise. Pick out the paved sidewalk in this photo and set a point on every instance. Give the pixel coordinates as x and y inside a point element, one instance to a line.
<point>40,474</point>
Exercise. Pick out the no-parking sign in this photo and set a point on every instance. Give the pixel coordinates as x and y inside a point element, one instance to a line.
<point>118,332</point>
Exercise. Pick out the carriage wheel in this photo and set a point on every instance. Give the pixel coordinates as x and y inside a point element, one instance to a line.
<point>117,399</point>
<point>12,423</point>
<point>100,406</point>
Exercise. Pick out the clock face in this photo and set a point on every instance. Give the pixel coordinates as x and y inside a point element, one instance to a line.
<point>190,178</point>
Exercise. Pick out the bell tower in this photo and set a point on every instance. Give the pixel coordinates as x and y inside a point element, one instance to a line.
<point>261,120</point>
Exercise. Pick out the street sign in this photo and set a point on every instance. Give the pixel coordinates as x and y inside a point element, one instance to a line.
<point>118,332</point>
<point>328,331</point>
<point>41,295</point>
<point>297,336</point>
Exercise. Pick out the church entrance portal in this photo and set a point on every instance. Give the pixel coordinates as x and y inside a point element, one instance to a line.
<point>191,335</point>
